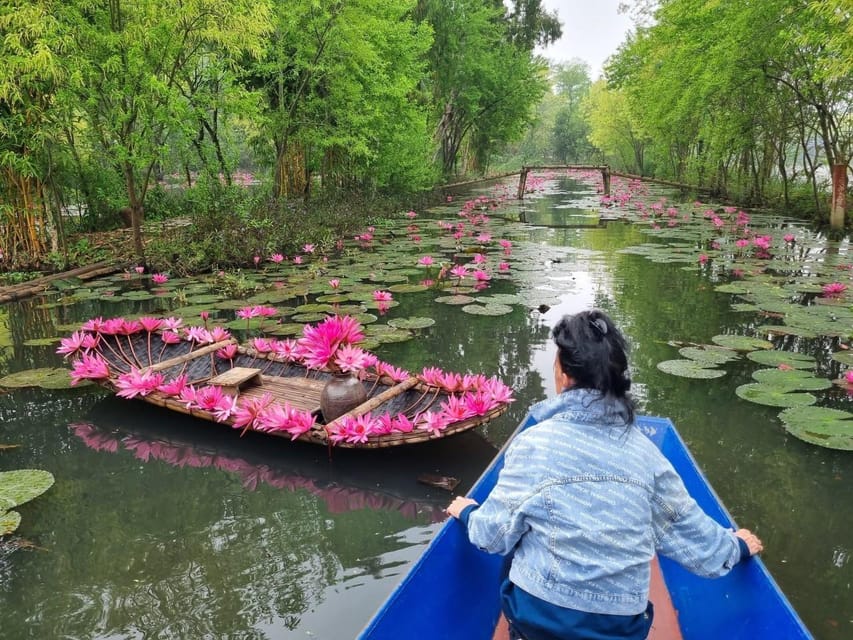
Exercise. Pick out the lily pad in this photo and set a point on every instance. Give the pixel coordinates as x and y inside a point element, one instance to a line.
<point>411,323</point>
<point>787,358</point>
<point>47,377</point>
<point>689,369</point>
<point>844,357</point>
<point>741,343</point>
<point>457,300</point>
<point>41,342</point>
<point>491,309</point>
<point>732,287</point>
<point>709,354</point>
<point>22,485</point>
<point>396,335</point>
<point>9,522</point>
<point>830,428</point>
<point>500,298</point>
<point>791,379</point>
<point>407,288</point>
<point>765,394</point>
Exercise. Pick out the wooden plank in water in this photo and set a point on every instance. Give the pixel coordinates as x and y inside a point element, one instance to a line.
<point>301,393</point>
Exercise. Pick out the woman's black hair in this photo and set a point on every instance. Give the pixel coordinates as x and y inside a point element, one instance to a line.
<point>595,354</point>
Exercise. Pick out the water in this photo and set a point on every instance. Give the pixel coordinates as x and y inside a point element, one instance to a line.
<point>163,526</point>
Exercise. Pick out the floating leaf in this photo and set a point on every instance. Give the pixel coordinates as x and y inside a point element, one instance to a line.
<point>456,299</point>
<point>732,287</point>
<point>9,522</point>
<point>741,343</point>
<point>41,342</point>
<point>791,379</point>
<point>709,354</point>
<point>830,428</point>
<point>22,485</point>
<point>395,335</point>
<point>787,358</point>
<point>844,357</point>
<point>487,309</point>
<point>500,298</point>
<point>407,288</point>
<point>773,397</point>
<point>689,369</point>
<point>786,330</point>
<point>309,317</point>
<point>42,377</point>
<point>411,323</point>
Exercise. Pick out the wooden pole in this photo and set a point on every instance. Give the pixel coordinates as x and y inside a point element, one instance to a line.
<point>605,175</point>
<point>522,182</point>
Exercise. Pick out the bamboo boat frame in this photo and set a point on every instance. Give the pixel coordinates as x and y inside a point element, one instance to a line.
<point>298,385</point>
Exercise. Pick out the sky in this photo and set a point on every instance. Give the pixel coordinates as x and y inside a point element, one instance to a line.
<point>592,31</point>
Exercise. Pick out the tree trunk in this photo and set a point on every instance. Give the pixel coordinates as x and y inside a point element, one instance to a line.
<point>136,212</point>
<point>838,207</point>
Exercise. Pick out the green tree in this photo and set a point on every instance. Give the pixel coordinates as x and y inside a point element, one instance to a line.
<point>571,84</point>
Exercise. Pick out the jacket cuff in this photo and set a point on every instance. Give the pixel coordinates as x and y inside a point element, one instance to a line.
<point>466,513</point>
<point>744,549</point>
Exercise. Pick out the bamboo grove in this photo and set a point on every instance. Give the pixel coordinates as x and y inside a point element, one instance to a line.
<point>102,100</point>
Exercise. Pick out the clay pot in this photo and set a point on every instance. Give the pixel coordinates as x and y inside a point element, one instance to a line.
<point>343,392</point>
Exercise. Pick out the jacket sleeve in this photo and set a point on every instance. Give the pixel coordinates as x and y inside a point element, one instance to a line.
<point>500,522</point>
<point>685,533</point>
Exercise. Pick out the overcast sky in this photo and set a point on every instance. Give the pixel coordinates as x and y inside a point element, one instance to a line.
<point>592,30</point>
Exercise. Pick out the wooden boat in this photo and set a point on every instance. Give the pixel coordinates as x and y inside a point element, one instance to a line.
<point>248,374</point>
<point>451,592</point>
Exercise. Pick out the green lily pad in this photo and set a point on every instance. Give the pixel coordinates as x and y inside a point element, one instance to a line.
<point>309,317</point>
<point>500,298</point>
<point>487,309</point>
<point>760,393</point>
<point>709,355</point>
<point>22,485</point>
<point>844,357</point>
<point>9,522</point>
<point>48,377</point>
<point>395,335</point>
<point>411,323</point>
<point>407,288</point>
<point>41,342</point>
<point>830,428</point>
<point>732,287</point>
<point>689,369</point>
<point>787,330</point>
<point>791,380</point>
<point>457,300</point>
<point>315,308</point>
<point>741,343</point>
<point>787,358</point>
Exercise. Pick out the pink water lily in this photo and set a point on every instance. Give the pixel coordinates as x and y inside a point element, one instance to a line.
<point>159,278</point>
<point>382,296</point>
<point>834,289</point>
<point>434,422</point>
<point>288,350</point>
<point>174,387</point>
<point>848,376</point>
<point>395,373</point>
<point>170,337</point>
<point>228,352</point>
<point>249,411</point>
<point>172,323</point>
<point>137,384</point>
<point>78,341</point>
<point>350,358</point>
<point>308,248</point>
<point>198,334</point>
<point>276,258</point>
<point>459,271</point>
<point>411,214</point>
<point>319,343</point>
<point>151,324</point>
<point>455,409</point>
<point>89,367</point>
<point>425,261</point>
<point>334,283</point>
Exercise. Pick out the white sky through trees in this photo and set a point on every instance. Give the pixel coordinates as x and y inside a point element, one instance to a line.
<point>592,30</point>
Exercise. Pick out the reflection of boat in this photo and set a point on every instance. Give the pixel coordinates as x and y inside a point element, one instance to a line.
<point>376,480</point>
<point>275,386</point>
<point>436,593</point>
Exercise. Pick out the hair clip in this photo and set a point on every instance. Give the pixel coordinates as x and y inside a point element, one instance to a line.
<point>599,325</point>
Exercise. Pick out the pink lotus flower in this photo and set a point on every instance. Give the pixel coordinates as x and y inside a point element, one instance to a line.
<point>382,296</point>
<point>139,269</point>
<point>479,258</point>
<point>455,409</point>
<point>288,350</point>
<point>308,248</point>
<point>703,258</point>
<point>134,383</point>
<point>478,403</point>
<point>249,411</point>
<point>188,396</point>
<point>426,261</point>
<point>788,237</point>
<point>228,352</point>
<point>481,276</point>
<point>460,271</point>
<point>849,376</point>
<point>173,388</point>
<point>256,260</point>
<point>483,238</point>
<point>402,424</point>
<point>151,324</point>
<point>350,359</point>
<point>434,422</point>
<point>199,335</point>
<point>432,376</point>
<point>261,345</point>
<point>297,259</point>
<point>450,381</point>
<point>89,367</point>
<point>218,334</point>
<point>497,390</point>
<point>172,323</point>
<point>276,258</point>
<point>334,283</point>
<point>300,422</point>
<point>741,243</point>
<point>506,244</point>
<point>396,374</point>
<point>245,313</point>
<point>834,289</point>
<point>78,341</point>
<point>319,343</point>
<point>170,337</point>
<point>503,266</point>
<point>411,214</point>
<point>358,429</point>
<point>159,278</point>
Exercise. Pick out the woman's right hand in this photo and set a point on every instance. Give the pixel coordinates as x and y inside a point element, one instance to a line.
<point>752,541</point>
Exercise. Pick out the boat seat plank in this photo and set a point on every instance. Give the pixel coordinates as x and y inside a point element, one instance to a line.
<point>664,625</point>
<point>301,393</point>
<point>236,379</point>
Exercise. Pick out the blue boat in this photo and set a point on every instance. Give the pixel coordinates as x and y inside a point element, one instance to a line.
<point>451,591</point>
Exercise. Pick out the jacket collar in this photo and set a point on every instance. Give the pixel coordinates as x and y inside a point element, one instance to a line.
<point>585,406</point>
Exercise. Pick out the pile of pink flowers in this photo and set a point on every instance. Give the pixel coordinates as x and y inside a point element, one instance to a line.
<point>330,345</point>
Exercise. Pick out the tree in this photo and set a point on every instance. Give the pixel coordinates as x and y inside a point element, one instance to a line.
<point>571,85</point>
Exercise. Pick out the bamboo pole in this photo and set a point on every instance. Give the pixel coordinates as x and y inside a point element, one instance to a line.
<point>377,400</point>
<point>192,355</point>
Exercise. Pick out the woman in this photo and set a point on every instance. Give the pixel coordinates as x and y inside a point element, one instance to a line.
<point>585,500</point>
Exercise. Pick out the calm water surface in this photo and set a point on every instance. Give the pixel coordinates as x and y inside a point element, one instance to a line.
<point>160,526</point>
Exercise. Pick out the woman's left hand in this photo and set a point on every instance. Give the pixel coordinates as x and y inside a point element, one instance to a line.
<point>458,504</point>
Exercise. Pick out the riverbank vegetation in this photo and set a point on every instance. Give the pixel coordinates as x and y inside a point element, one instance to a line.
<point>247,114</point>
<point>254,127</point>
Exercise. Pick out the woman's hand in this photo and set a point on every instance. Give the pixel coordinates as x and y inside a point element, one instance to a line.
<point>458,504</point>
<point>751,540</point>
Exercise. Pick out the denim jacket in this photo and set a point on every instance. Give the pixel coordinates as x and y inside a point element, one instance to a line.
<point>585,501</point>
